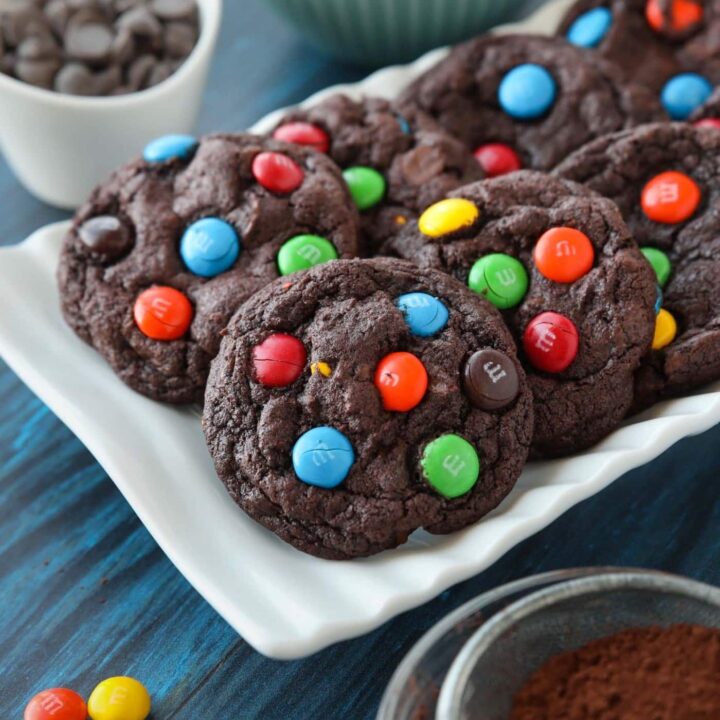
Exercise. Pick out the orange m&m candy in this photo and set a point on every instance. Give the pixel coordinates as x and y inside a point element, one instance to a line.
<point>683,15</point>
<point>671,197</point>
<point>56,704</point>
<point>563,254</point>
<point>162,313</point>
<point>402,381</point>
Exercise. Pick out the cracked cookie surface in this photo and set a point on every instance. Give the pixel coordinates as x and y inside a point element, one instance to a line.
<point>150,205</point>
<point>346,317</point>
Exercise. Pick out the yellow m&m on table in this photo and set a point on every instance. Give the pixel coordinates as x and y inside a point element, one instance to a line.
<point>119,698</point>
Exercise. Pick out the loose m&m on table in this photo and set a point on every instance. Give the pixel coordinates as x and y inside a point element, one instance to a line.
<point>56,704</point>
<point>119,698</point>
<point>162,313</point>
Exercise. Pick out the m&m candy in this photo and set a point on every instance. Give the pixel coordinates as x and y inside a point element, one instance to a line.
<point>589,29</point>
<point>713,123</point>
<point>497,159</point>
<point>563,254</point>
<point>501,278</point>
<point>105,234</point>
<point>162,313</point>
<point>658,299</point>
<point>277,172</point>
<point>424,314</point>
<point>209,247</point>
<point>366,185</point>
<point>279,360</point>
<point>402,380</point>
<point>660,263</point>
<point>56,704</point>
<point>684,93</point>
<point>303,133</point>
<point>119,698</point>
<point>450,465</point>
<point>405,128</point>
<point>665,330</point>
<point>448,216</point>
<point>303,252</point>
<point>682,15</point>
<point>322,457</point>
<point>527,92</point>
<point>170,147</point>
<point>551,342</point>
<point>670,197</point>
<point>490,379</point>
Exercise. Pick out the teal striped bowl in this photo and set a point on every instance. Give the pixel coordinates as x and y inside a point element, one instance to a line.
<point>384,32</point>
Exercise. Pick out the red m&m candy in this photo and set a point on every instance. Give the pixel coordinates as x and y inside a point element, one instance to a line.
<point>678,15</point>
<point>708,123</point>
<point>162,313</point>
<point>497,159</point>
<point>279,360</point>
<point>563,254</point>
<point>671,197</point>
<point>551,342</point>
<point>56,704</point>
<point>303,133</point>
<point>276,172</point>
<point>402,381</point>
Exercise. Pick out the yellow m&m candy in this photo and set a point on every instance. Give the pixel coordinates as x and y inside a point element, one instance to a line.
<point>119,698</point>
<point>448,216</point>
<point>665,330</point>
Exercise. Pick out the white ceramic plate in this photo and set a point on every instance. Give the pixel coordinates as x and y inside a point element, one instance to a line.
<point>284,603</point>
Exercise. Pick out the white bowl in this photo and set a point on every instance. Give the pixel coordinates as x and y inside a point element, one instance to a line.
<point>61,146</point>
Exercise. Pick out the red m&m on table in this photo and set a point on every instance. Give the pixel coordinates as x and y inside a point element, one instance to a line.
<point>497,159</point>
<point>56,704</point>
<point>279,360</point>
<point>162,313</point>
<point>563,254</point>
<point>670,198</point>
<point>303,133</point>
<point>551,342</point>
<point>402,381</point>
<point>277,173</point>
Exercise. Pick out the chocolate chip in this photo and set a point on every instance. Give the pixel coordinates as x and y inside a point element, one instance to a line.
<point>490,379</point>
<point>140,21</point>
<point>58,14</point>
<point>422,164</point>
<point>173,9</point>
<point>107,80</point>
<point>139,71</point>
<point>106,235</point>
<point>39,47</point>
<point>37,72</point>
<point>123,46</point>
<point>21,19</point>
<point>179,39</point>
<point>161,71</point>
<point>75,79</point>
<point>89,41</point>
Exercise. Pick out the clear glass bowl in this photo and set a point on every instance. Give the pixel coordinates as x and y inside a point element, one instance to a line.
<point>458,666</point>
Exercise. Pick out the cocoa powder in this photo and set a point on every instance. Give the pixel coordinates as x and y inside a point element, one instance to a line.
<point>640,674</point>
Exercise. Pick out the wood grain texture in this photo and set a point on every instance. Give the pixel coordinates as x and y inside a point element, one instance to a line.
<point>86,593</point>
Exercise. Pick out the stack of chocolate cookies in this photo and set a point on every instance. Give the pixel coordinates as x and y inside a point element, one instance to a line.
<point>387,307</point>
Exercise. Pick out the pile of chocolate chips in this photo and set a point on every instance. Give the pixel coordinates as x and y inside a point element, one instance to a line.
<point>640,674</point>
<point>95,47</point>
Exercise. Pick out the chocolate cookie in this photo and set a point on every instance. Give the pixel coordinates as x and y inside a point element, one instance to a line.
<point>359,402</point>
<point>573,286</point>
<point>162,254</point>
<point>668,46</point>
<point>665,180</point>
<point>537,98</point>
<point>395,164</point>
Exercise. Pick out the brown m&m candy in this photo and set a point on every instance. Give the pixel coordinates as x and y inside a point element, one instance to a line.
<point>106,235</point>
<point>490,379</point>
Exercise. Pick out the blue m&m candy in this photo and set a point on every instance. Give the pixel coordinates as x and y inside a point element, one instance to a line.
<point>209,246</point>
<point>684,93</point>
<point>658,299</point>
<point>527,92</point>
<point>403,123</point>
<point>424,314</point>
<point>590,28</point>
<point>322,457</point>
<point>169,147</point>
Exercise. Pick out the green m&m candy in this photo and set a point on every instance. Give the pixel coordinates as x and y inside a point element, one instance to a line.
<point>451,465</point>
<point>304,251</point>
<point>660,263</point>
<point>367,186</point>
<point>502,279</point>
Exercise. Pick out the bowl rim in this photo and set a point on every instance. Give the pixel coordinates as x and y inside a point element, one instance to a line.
<point>210,17</point>
<point>460,671</point>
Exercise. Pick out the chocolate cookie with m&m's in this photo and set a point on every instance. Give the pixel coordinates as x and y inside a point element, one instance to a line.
<point>361,401</point>
<point>162,254</point>
<point>575,290</point>
<point>664,179</point>
<point>668,46</point>
<point>535,98</point>
<point>394,164</point>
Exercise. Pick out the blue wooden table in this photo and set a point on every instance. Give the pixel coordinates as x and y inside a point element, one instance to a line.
<point>85,592</point>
